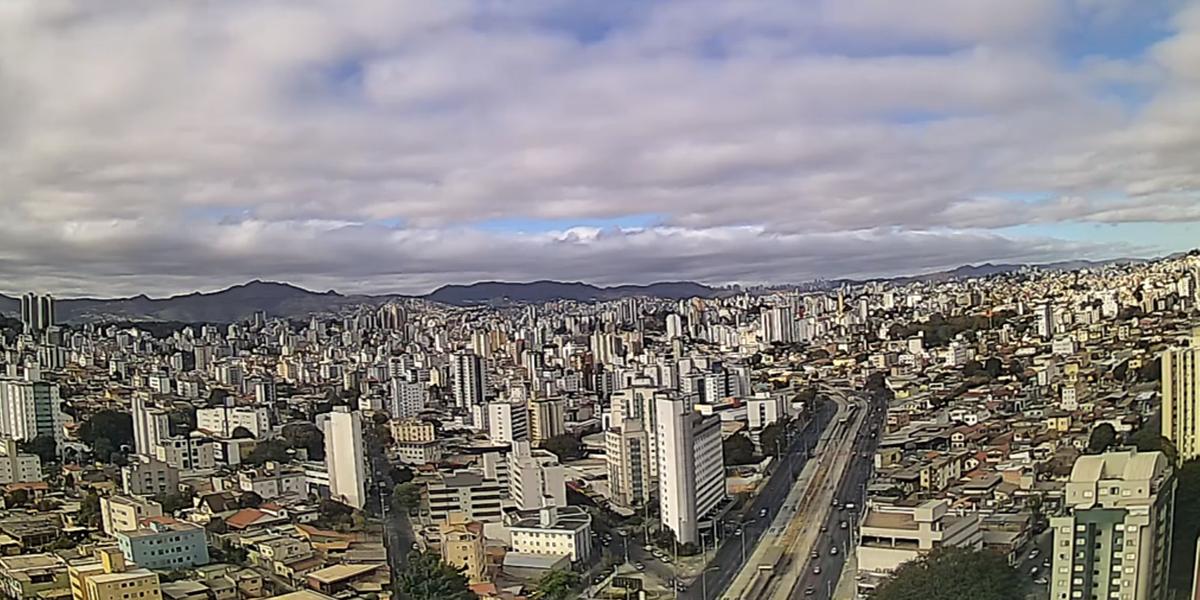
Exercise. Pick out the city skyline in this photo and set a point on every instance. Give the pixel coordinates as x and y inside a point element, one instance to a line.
<point>371,146</point>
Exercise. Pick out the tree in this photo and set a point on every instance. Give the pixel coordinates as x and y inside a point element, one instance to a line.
<point>739,450</point>
<point>972,368</point>
<point>993,367</point>
<point>89,510</point>
<point>406,497</point>
<point>241,433</point>
<point>566,447</point>
<point>774,438</point>
<point>303,434</point>
<point>1148,438</point>
<point>268,451</point>
<point>426,577</point>
<point>102,449</point>
<point>954,574</point>
<point>556,585</point>
<point>18,497</point>
<point>117,427</point>
<point>44,447</point>
<point>176,501</point>
<point>250,500</point>
<point>1102,438</point>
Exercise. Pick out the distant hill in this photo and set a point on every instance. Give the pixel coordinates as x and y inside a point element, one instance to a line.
<point>493,292</point>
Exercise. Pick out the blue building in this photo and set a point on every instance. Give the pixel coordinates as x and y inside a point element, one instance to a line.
<point>164,543</point>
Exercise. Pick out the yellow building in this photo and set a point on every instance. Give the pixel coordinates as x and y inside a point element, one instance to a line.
<point>462,546</point>
<point>107,577</point>
<point>1181,397</point>
<point>413,430</point>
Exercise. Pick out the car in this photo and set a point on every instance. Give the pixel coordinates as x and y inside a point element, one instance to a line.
<point>824,528</point>
<point>605,542</point>
<point>836,503</point>
<point>1034,572</point>
<point>1041,581</point>
<point>1034,554</point>
<point>849,506</point>
<point>817,570</point>
<point>1046,563</point>
<point>833,551</point>
<point>815,555</point>
<point>845,525</point>
<point>809,591</point>
<point>639,566</point>
<point>680,587</point>
<point>648,548</point>
<point>762,512</point>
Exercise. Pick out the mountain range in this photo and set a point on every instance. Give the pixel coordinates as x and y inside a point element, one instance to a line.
<point>287,300</point>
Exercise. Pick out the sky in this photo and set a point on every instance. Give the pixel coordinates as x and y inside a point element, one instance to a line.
<point>166,146</point>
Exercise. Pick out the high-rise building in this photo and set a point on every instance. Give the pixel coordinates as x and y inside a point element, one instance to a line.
<point>628,458</point>
<point>345,458</point>
<point>547,419</point>
<point>29,409</point>
<point>466,371</point>
<point>535,478</point>
<point>407,398</point>
<point>508,422</point>
<point>37,313</point>
<point>1181,397</point>
<point>691,467</point>
<point>150,425</point>
<point>1045,321</point>
<point>1114,542</point>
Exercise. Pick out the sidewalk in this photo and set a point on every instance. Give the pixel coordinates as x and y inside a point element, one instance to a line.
<point>847,585</point>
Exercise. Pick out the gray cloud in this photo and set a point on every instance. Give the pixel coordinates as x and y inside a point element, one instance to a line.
<point>164,145</point>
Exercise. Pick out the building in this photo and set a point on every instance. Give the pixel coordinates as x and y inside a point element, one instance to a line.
<point>554,531</point>
<point>150,425</point>
<point>535,478</point>
<point>345,457</point>
<point>466,492</point>
<point>122,513</point>
<point>164,543</point>
<point>146,476</point>
<point>1115,539</point>
<point>508,422</point>
<point>271,483</point>
<point>1181,397</point>
<point>547,419</point>
<point>222,421</point>
<point>29,409</point>
<point>462,546</point>
<point>761,412</point>
<point>34,576</point>
<point>106,576</point>
<point>407,398</point>
<point>628,460</point>
<point>691,467</point>
<point>893,534</point>
<point>37,313</point>
<point>466,373</point>
<point>413,430</point>
<point>16,467</point>
<point>187,453</point>
<point>418,453</point>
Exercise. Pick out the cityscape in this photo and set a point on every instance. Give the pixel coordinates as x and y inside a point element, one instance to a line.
<point>599,300</point>
<point>1025,434</point>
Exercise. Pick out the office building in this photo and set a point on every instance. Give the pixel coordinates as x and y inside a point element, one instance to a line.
<point>507,422</point>
<point>222,421</point>
<point>106,576</point>
<point>124,513</point>
<point>1181,397</point>
<point>345,457</point>
<point>547,419</point>
<point>1114,542</point>
<point>467,375</point>
<point>691,467</point>
<point>466,492</point>
<point>535,478</point>
<point>164,543</point>
<point>407,398</point>
<point>628,459</point>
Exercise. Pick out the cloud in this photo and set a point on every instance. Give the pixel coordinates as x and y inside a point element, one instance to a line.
<point>168,143</point>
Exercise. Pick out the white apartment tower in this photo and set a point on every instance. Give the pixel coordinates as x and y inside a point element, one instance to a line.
<point>535,478</point>
<point>345,458</point>
<point>627,454</point>
<point>1115,540</point>
<point>691,467</point>
<point>508,422</point>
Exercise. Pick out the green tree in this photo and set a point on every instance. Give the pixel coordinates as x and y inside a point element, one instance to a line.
<point>405,497</point>
<point>303,434</point>
<point>566,447</point>
<point>44,447</point>
<point>739,450</point>
<point>18,497</point>
<point>426,577</point>
<point>89,510</point>
<point>117,427</point>
<point>954,574</point>
<point>176,501</point>
<point>993,367</point>
<point>556,585</point>
<point>268,451</point>
<point>773,438</point>
<point>102,449</point>
<point>1102,438</point>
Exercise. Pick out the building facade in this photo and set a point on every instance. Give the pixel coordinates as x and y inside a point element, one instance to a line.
<point>691,468</point>
<point>1181,397</point>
